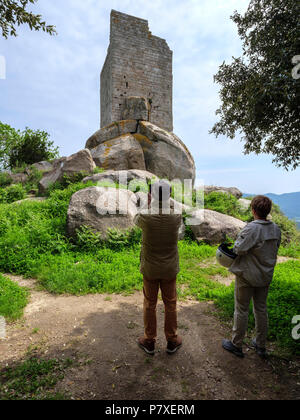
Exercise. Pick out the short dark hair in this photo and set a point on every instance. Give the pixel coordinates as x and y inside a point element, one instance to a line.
<point>262,206</point>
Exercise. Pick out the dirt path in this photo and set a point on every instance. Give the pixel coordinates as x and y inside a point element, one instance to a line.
<point>101,332</point>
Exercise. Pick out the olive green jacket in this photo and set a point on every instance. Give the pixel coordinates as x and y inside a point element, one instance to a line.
<point>159,254</point>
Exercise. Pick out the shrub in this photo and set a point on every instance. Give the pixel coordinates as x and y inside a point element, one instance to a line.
<point>12,193</point>
<point>289,230</point>
<point>34,146</point>
<point>226,204</point>
<point>5,179</point>
<point>26,147</point>
<point>13,299</point>
<point>33,179</point>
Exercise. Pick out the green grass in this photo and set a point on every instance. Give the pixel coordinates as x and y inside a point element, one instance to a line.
<point>292,250</point>
<point>13,299</point>
<point>283,304</point>
<point>12,193</point>
<point>105,271</point>
<point>33,379</point>
<point>33,243</point>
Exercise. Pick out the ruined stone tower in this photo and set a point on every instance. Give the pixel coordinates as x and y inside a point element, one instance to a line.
<point>137,64</point>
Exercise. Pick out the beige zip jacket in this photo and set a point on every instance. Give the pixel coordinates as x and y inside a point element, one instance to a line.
<point>159,254</point>
<point>257,248</point>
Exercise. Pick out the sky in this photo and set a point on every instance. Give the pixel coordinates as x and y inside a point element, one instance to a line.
<point>53,83</point>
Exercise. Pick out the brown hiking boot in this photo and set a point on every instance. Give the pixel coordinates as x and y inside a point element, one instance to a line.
<point>146,345</point>
<point>173,346</point>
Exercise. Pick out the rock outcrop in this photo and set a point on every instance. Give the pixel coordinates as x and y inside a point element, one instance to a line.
<point>244,204</point>
<point>128,178</point>
<point>233,191</point>
<point>121,153</point>
<point>44,166</point>
<point>112,131</point>
<point>213,227</point>
<point>162,152</point>
<point>101,209</point>
<point>81,162</point>
<point>165,154</point>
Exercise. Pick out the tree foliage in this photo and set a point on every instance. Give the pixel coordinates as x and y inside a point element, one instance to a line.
<point>26,147</point>
<point>259,96</point>
<point>13,13</point>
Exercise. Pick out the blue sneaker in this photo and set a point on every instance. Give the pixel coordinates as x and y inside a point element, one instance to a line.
<point>227,345</point>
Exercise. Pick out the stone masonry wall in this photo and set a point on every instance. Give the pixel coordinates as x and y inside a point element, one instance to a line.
<point>137,64</point>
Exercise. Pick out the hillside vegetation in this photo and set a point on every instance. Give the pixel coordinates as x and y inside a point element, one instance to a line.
<point>33,243</point>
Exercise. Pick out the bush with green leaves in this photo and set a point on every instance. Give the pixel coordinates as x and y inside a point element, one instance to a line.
<point>13,299</point>
<point>90,241</point>
<point>5,179</point>
<point>226,204</point>
<point>12,193</point>
<point>26,147</point>
<point>289,230</point>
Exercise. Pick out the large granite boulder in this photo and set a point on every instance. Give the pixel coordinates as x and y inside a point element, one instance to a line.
<point>81,162</point>
<point>129,178</point>
<point>213,227</point>
<point>111,131</point>
<point>44,166</point>
<point>121,153</point>
<point>244,204</point>
<point>233,191</point>
<point>20,178</point>
<point>165,154</point>
<point>101,209</point>
<point>135,108</point>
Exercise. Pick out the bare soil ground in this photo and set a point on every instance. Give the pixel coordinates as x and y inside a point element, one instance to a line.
<point>100,332</point>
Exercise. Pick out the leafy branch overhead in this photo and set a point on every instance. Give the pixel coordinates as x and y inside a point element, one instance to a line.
<point>13,13</point>
<point>259,96</point>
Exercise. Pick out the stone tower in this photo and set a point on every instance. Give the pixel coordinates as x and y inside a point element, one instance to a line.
<point>137,64</point>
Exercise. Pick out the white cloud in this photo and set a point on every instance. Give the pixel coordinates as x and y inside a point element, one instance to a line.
<point>53,82</point>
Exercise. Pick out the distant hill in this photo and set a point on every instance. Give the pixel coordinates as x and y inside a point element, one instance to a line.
<point>288,203</point>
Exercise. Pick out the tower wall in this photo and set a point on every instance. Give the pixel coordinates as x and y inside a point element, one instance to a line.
<point>137,64</point>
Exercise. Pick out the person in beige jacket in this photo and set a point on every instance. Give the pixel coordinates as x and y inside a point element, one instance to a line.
<point>159,265</point>
<point>256,248</point>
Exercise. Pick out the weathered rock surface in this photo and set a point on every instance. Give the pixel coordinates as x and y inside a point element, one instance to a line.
<point>20,178</point>
<point>101,209</point>
<point>76,163</point>
<point>165,154</point>
<point>135,108</point>
<point>233,191</point>
<point>123,177</point>
<point>212,227</point>
<point>44,166</point>
<point>111,131</point>
<point>121,153</point>
<point>244,204</point>
<point>37,199</point>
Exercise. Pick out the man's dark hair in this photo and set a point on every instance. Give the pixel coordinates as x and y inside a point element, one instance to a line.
<point>262,206</point>
<point>163,188</point>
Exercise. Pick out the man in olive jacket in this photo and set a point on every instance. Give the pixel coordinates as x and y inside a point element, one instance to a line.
<point>159,265</point>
